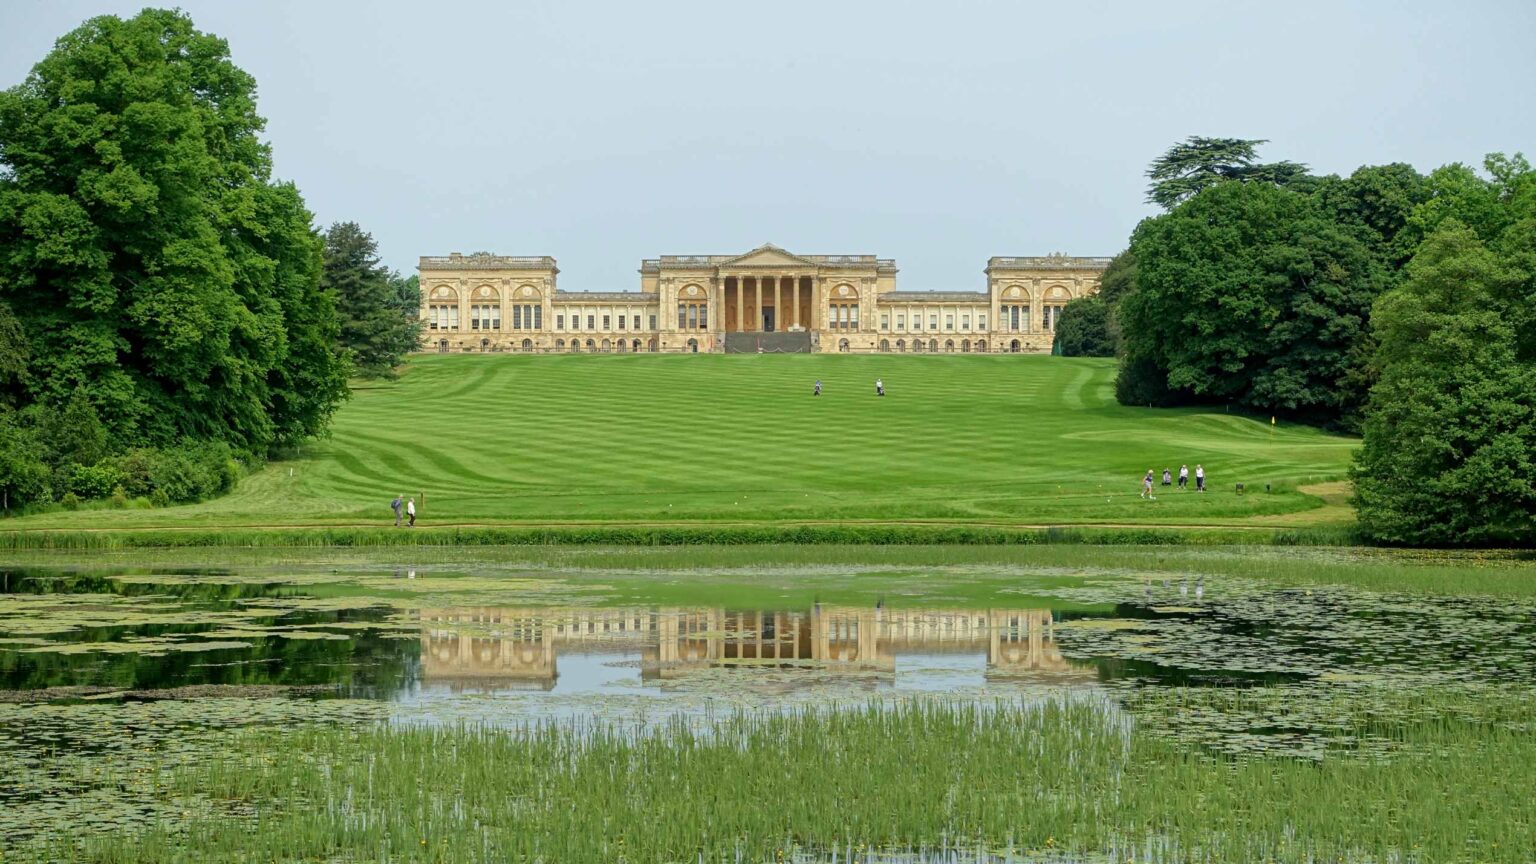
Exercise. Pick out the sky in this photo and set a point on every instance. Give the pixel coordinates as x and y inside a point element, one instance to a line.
<point>937,134</point>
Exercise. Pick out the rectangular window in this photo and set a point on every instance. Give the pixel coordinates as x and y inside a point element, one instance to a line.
<point>606,320</point>
<point>517,317</point>
<point>1023,318</point>
<point>637,322</point>
<point>901,322</point>
<point>965,322</point>
<point>559,322</point>
<point>949,322</point>
<point>495,317</point>
<point>621,322</point>
<point>538,317</point>
<point>853,317</point>
<point>591,322</point>
<point>933,322</point>
<point>885,322</point>
<point>693,316</point>
<point>703,317</point>
<point>453,317</point>
<point>981,322</point>
<point>653,322</point>
<point>682,316</point>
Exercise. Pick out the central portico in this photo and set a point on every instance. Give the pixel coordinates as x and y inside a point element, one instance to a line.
<point>766,290</point>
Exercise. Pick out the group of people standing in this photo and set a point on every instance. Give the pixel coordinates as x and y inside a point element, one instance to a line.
<point>1147,481</point>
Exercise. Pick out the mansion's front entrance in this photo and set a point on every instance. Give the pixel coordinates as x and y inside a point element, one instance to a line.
<point>768,320</point>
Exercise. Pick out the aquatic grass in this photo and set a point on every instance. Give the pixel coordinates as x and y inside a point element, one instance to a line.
<point>1059,777</point>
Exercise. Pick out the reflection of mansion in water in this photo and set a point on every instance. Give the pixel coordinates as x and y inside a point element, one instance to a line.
<point>497,647</point>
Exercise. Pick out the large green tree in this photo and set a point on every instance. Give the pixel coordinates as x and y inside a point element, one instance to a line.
<point>1083,330</point>
<point>1449,455</point>
<point>379,324</point>
<point>145,250</point>
<point>1249,293</point>
<point>1199,163</point>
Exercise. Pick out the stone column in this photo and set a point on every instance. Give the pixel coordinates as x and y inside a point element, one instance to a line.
<point>464,300</point>
<point>741,303</point>
<point>778,302</point>
<point>757,290</point>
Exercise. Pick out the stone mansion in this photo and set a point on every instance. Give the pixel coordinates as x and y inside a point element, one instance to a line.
<point>767,300</point>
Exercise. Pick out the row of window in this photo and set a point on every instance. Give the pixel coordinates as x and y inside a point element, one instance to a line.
<point>933,322</point>
<point>626,322</point>
<point>843,316</point>
<point>693,316</point>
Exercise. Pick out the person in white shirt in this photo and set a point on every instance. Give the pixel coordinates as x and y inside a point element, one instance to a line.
<point>1183,476</point>
<point>879,387</point>
<point>410,512</point>
<point>1199,478</point>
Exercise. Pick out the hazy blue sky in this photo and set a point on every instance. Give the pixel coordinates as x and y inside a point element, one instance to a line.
<point>937,134</point>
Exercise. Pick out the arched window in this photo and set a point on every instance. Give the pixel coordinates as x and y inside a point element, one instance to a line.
<point>591,346</point>
<point>442,346</point>
<point>485,344</point>
<point>965,346</point>
<point>981,346</point>
<point>635,346</point>
<point>917,346</point>
<point>901,344</point>
<point>842,345</point>
<point>1054,301</point>
<point>1014,346</point>
<point>652,345</point>
<point>527,344</point>
<point>693,346</point>
<point>949,345</point>
<point>885,344</point>
<point>621,345</point>
<point>933,345</point>
<point>559,344</point>
<point>606,346</point>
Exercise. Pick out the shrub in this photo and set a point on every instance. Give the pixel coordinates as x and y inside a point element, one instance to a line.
<point>95,481</point>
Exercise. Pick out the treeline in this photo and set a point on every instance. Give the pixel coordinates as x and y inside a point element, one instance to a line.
<point>1390,303</point>
<point>169,315</point>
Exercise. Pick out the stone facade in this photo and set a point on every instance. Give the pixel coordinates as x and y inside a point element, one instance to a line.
<point>695,303</point>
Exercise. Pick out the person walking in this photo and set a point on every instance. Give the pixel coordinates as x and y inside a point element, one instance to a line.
<point>1146,485</point>
<point>1183,476</point>
<point>1167,477</point>
<point>395,505</point>
<point>818,388</point>
<point>410,512</point>
<point>879,387</point>
<point>1199,478</point>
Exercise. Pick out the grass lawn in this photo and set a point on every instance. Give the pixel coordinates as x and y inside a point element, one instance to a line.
<point>512,439</point>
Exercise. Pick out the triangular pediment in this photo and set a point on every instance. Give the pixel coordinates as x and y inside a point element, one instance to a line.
<point>768,255</point>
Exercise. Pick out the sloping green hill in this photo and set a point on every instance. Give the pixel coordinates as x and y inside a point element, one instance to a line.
<point>1008,440</point>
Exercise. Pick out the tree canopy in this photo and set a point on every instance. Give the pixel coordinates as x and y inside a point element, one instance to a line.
<point>1251,294</point>
<point>145,251</point>
<point>1199,163</point>
<point>1083,330</point>
<point>1449,455</point>
<point>379,312</point>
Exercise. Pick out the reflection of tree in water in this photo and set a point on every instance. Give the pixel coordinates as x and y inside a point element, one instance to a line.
<point>363,663</point>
